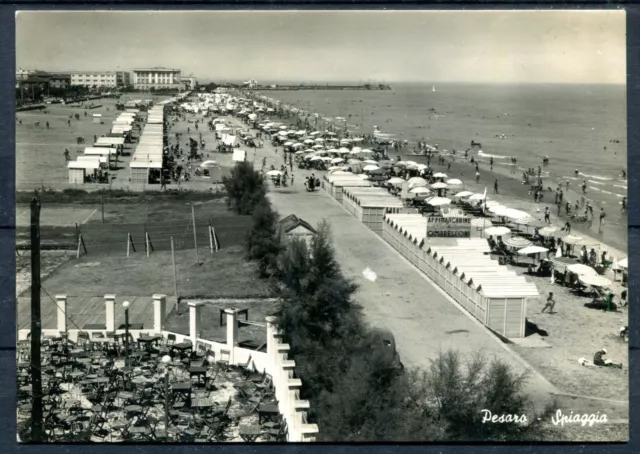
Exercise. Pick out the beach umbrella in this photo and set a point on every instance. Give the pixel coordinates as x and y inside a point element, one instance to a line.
<point>481,223</point>
<point>492,203</point>
<point>396,181</point>
<point>439,175</point>
<point>548,231</point>
<point>517,215</point>
<point>366,151</point>
<point>532,250</point>
<point>288,144</point>
<point>624,263</point>
<point>356,150</point>
<point>454,182</point>
<point>370,161</point>
<point>326,158</point>
<point>335,168</point>
<point>416,181</point>
<point>343,150</point>
<point>575,240</point>
<point>498,231</point>
<point>363,176</point>
<point>341,172</point>
<point>517,242</point>
<point>354,161</point>
<point>477,197</point>
<point>582,270</point>
<point>314,133</point>
<point>207,164</point>
<point>282,133</point>
<point>315,158</point>
<point>463,194</point>
<point>283,127</point>
<point>297,145</point>
<point>439,185</point>
<point>308,141</point>
<point>337,160</point>
<point>419,190</point>
<point>299,152</point>
<point>317,147</point>
<point>439,201</point>
<point>332,150</point>
<point>301,133</point>
<point>274,173</point>
<point>498,210</point>
<point>319,140</point>
<point>595,280</point>
<point>358,139</point>
<point>370,167</point>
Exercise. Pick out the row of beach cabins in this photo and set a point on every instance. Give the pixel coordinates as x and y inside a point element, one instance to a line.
<point>462,267</point>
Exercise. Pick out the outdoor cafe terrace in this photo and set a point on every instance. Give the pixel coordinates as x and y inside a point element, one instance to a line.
<point>126,385</point>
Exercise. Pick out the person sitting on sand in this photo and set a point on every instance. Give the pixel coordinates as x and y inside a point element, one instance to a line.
<point>599,360</point>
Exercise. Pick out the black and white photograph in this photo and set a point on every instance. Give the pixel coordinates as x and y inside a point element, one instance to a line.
<point>289,226</point>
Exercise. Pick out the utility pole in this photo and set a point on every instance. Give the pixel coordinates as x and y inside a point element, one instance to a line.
<point>195,240</point>
<point>36,324</point>
<point>175,275</point>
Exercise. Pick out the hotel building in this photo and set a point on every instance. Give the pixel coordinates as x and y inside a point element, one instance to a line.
<point>157,78</point>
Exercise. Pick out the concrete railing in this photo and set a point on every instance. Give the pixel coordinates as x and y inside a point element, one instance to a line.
<point>274,361</point>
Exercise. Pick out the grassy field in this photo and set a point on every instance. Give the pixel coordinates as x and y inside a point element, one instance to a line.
<point>224,274</point>
<point>178,320</point>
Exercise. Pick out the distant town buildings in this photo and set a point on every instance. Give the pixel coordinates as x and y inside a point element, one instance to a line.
<point>190,82</point>
<point>100,79</point>
<point>250,84</point>
<point>157,78</point>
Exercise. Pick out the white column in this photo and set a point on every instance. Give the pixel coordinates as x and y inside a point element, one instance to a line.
<point>279,383</point>
<point>283,403</point>
<point>301,407</point>
<point>271,342</point>
<point>159,312</point>
<point>110,308</point>
<point>309,432</point>
<point>232,333</point>
<point>61,302</point>
<point>294,386</point>
<point>194,320</point>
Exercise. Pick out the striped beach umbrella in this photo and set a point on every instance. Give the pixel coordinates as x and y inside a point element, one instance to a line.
<point>517,242</point>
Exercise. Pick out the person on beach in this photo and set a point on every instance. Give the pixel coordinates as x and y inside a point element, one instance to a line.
<point>602,216</point>
<point>551,303</point>
<point>624,204</point>
<point>477,176</point>
<point>66,155</point>
<point>69,123</point>
<point>47,125</point>
<point>495,186</point>
<point>584,186</point>
<point>567,208</point>
<point>566,228</point>
<point>547,215</point>
<point>577,172</point>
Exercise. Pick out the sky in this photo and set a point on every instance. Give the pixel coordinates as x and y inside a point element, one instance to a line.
<point>384,46</point>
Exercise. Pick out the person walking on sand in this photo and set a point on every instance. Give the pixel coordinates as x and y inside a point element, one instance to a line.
<point>69,123</point>
<point>547,215</point>
<point>66,155</point>
<point>550,303</point>
<point>495,186</point>
<point>477,176</point>
<point>602,216</point>
<point>624,204</point>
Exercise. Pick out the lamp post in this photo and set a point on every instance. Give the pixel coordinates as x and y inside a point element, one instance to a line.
<point>166,359</point>
<point>126,305</point>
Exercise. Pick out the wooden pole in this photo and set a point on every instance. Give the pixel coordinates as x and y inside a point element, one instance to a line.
<point>128,243</point>
<point>175,274</point>
<point>36,324</point>
<point>195,239</point>
<point>102,204</point>
<point>210,239</point>
<point>146,242</point>
<point>215,239</point>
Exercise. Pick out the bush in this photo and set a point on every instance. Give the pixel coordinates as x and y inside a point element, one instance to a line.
<point>245,188</point>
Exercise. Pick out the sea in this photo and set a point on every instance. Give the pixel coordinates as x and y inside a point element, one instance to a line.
<point>578,127</point>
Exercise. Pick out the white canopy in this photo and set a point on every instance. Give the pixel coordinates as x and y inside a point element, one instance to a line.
<point>532,250</point>
<point>594,280</point>
<point>580,269</point>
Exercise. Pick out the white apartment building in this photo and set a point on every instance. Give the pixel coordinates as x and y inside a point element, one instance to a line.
<point>157,78</point>
<point>97,79</point>
<point>190,82</point>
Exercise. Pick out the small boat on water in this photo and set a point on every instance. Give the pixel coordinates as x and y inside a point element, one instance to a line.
<point>433,88</point>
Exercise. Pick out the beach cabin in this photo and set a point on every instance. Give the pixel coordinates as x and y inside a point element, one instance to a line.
<point>369,205</point>
<point>97,119</point>
<point>293,227</point>
<point>349,196</point>
<point>78,170</point>
<point>491,292</point>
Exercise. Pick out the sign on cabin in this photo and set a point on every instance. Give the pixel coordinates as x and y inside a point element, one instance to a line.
<point>448,227</point>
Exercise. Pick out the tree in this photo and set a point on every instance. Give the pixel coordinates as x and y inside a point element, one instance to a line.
<point>245,188</point>
<point>456,391</point>
<point>263,244</point>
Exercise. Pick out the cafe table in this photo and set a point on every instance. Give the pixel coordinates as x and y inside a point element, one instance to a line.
<point>267,411</point>
<point>198,372</point>
<point>249,433</point>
